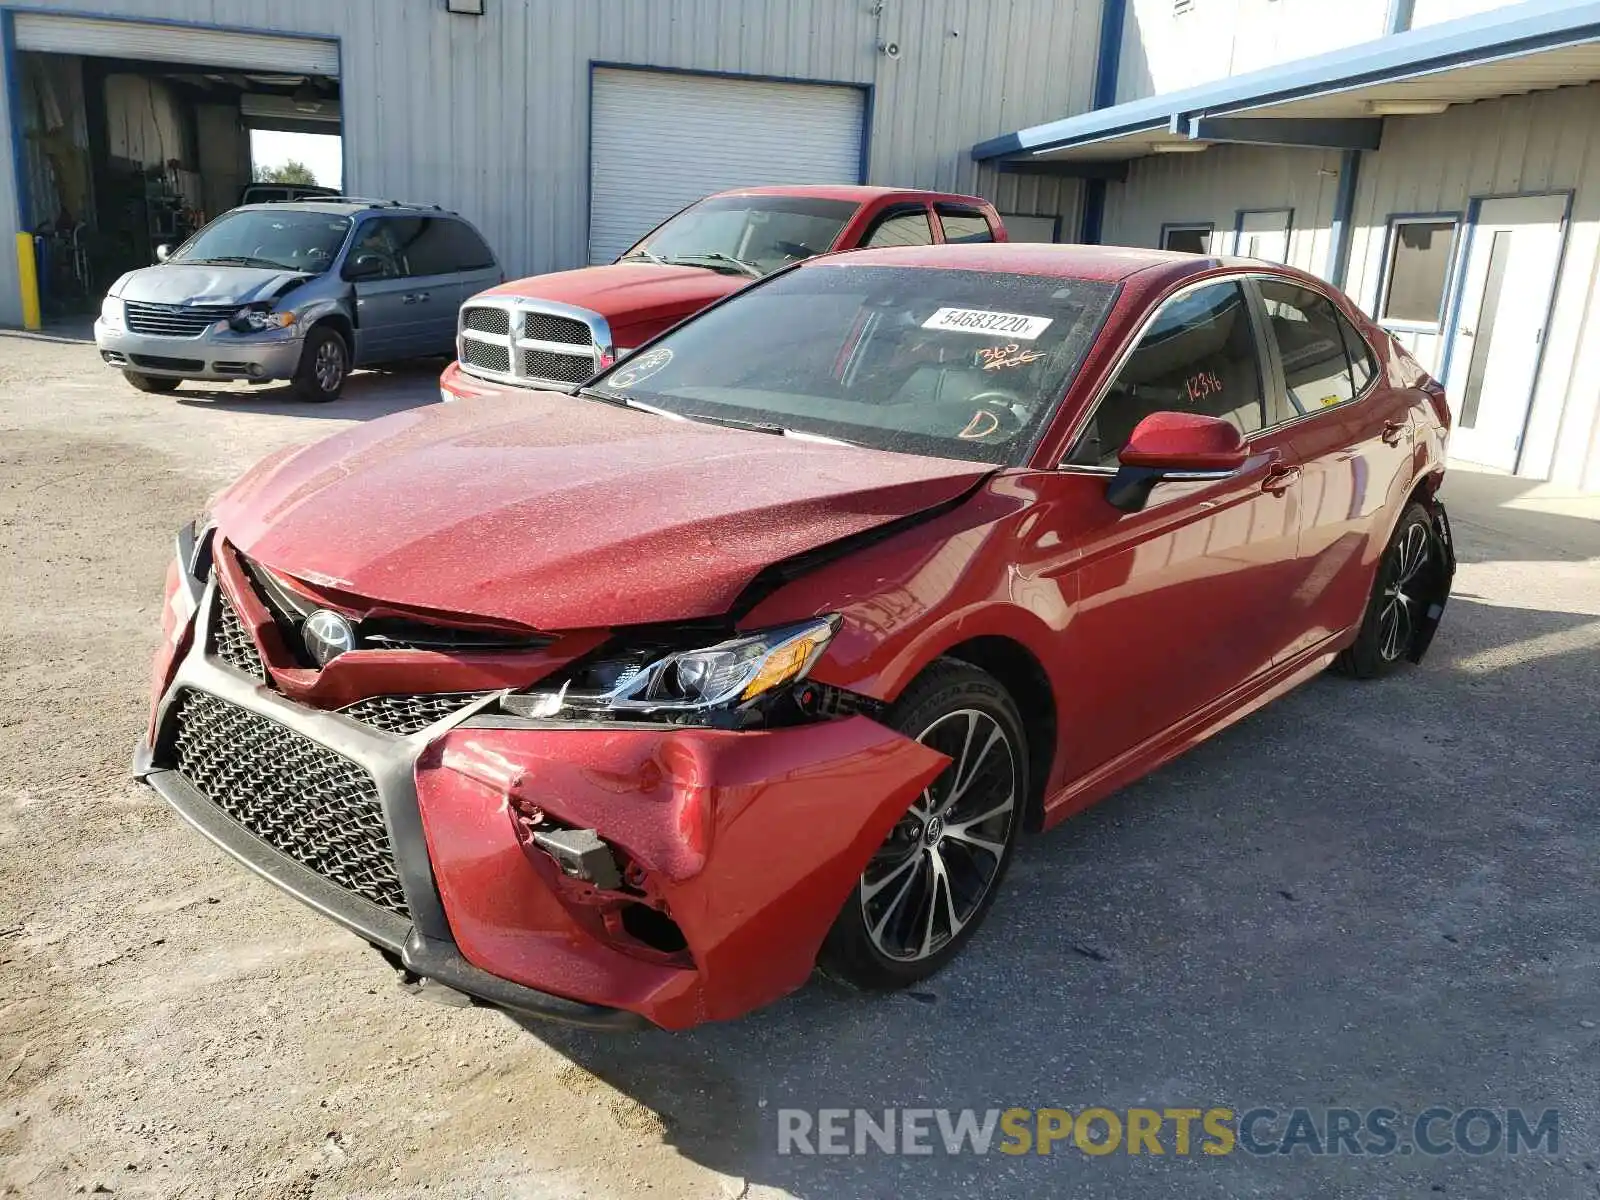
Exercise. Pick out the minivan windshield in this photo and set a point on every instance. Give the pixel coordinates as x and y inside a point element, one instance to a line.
<point>745,235</point>
<point>284,238</point>
<point>947,363</point>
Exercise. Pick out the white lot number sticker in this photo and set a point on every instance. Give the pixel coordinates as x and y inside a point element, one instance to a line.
<point>985,323</point>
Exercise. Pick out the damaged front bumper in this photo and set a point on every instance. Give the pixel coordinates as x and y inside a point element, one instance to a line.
<point>735,850</point>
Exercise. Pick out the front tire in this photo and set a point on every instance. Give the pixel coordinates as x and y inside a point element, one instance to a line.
<point>156,384</point>
<point>932,882</point>
<point>324,366</point>
<point>1408,576</point>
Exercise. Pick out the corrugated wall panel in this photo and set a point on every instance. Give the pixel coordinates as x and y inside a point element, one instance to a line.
<point>1213,186</point>
<point>1549,141</point>
<point>490,115</point>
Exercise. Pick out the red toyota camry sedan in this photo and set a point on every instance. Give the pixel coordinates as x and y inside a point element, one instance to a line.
<point>758,653</point>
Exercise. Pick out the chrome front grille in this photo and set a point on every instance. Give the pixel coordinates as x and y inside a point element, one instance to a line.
<point>545,327</point>
<point>486,357</point>
<point>531,342</point>
<point>405,714</point>
<point>563,368</point>
<point>174,320</point>
<point>304,800</point>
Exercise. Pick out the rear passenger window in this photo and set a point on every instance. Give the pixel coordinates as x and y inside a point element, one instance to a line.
<point>902,229</point>
<point>964,225</point>
<point>444,246</point>
<point>1312,339</point>
<point>1198,356</point>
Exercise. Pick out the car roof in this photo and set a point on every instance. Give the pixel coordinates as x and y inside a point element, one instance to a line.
<point>349,205</point>
<point>858,193</point>
<point>1109,264</point>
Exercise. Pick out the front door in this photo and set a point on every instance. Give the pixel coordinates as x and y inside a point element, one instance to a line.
<point>1180,604</point>
<point>1507,280</point>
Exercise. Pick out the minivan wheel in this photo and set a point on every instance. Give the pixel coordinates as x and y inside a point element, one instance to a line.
<point>324,366</point>
<point>151,383</point>
<point>931,883</point>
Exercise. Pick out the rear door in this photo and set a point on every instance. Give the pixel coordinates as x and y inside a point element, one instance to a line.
<point>446,262</point>
<point>1354,437</point>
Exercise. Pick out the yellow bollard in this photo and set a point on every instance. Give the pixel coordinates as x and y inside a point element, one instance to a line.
<point>28,280</point>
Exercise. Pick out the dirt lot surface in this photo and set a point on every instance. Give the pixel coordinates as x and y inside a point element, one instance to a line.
<point>1364,895</point>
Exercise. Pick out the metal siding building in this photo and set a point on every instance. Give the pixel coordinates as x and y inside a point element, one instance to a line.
<point>1475,120</point>
<point>489,115</point>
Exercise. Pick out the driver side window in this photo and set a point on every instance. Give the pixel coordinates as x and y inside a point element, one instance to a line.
<point>1198,356</point>
<point>374,240</point>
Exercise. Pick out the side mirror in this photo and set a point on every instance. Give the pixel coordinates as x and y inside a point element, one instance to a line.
<point>364,266</point>
<point>163,252</point>
<point>1174,445</point>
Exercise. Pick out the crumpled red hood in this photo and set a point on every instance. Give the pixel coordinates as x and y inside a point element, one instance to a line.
<point>557,512</point>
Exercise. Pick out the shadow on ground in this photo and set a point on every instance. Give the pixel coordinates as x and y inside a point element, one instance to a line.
<point>367,394</point>
<point>1367,894</point>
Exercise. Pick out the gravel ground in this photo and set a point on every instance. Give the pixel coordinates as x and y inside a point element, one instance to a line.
<point>1364,895</point>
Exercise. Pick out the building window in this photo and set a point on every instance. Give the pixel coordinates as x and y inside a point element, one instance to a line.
<point>1190,239</point>
<point>1418,271</point>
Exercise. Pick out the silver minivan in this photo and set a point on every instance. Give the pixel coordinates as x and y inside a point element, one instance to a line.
<point>302,290</point>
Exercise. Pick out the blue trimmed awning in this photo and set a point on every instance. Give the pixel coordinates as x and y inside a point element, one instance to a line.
<point>1338,99</point>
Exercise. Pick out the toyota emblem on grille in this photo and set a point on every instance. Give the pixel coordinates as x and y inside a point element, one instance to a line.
<point>327,635</point>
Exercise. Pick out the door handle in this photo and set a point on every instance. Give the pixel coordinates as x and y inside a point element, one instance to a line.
<point>1393,431</point>
<point>414,298</point>
<point>1280,479</point>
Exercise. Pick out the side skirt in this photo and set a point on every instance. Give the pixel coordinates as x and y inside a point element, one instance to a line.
<point>1164,747</point>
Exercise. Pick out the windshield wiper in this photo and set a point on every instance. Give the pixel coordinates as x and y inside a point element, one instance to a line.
<point>644,254</point>
<point>744,268</point>
<point>620,401</point>
<point>241,260</point>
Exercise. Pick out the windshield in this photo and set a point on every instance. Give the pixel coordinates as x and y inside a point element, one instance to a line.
<point>290,239</point>
<point>749,235</point>
<point>952,364</point>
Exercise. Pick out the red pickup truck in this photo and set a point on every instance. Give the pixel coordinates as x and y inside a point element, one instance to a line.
<point>557,330</point>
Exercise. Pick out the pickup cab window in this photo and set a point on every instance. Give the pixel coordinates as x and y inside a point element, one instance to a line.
<point>745,235</point>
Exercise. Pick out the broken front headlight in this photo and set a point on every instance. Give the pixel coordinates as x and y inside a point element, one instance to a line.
<point>726,676</point>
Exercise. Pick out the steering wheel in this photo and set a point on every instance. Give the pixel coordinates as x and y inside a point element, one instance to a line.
<point>1002,405</point>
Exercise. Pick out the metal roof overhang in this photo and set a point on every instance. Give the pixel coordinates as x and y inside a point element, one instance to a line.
<point>1336,100</point>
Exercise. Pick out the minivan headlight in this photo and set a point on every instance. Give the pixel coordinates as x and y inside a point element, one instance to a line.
<point>255,320</point>
<point>728,675</point>
<point>111,311</point>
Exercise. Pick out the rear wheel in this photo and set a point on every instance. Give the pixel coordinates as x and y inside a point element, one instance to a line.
<point>324,364</point>
<point>151,383</point>
<point>1407,580</point>
<point>931,883</point>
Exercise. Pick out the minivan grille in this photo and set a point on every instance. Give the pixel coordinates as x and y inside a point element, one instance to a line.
<point>174,320</point>
<point>299,797</point>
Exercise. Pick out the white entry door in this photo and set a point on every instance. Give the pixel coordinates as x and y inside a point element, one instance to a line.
<point>1506,282</point>
<point>1264,235</point>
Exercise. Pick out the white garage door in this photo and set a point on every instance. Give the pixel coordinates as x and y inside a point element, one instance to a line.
<point>660,141</point>
<point>177,43</point>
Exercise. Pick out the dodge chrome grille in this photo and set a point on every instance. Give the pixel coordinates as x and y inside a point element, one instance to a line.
<point>231,641</point>
<point>532,342</point>
<point>299,797</point>
<point>408,713</point>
